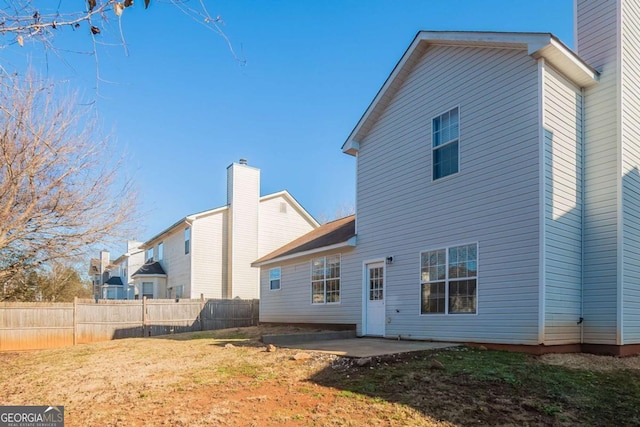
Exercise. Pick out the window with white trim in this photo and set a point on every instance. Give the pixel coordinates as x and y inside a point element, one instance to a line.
<point>149,254</point>
<point>187,240</point>
<point>147,289</point>
<point>445,150</point>
<point>111,293</point>
<point>160,251</point>
<point>325,280</point>
<point>274,279</point>
<point>448,280</point>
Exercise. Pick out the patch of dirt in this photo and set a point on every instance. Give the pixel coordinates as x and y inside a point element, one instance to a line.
<point>228,377</point>
<point>591,362</point>
<point>224,377</point>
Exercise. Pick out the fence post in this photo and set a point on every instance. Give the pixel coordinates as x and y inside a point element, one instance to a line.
<point>201,311</point>
<point>75,320</point>
<point>144,316</point>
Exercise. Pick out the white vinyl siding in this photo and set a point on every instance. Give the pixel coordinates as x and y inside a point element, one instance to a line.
<point>597,45</point>
<point>209,255</point>
<point>292,303</point>
<point>277,228</point>
<point>563,208</point>
<point>631,172</point>
<point>176,265</point>
<point>244,186</point>
<point>495,201</point>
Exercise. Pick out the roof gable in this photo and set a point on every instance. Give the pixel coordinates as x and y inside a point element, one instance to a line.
<point>538,45</point>
<point>150,269</point>
<point>333,234</point>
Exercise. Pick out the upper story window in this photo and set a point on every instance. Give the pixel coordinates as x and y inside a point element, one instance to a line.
<point>149,254</point>
<point>160,251</point>
<point>325,280</point>
<point>274,279</point>
<point>187,240</point>
<point>448,280</point>
<point>445,150</point>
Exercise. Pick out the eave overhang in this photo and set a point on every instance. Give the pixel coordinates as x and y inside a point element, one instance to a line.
<point>538,45</point>
<point>348,243</point>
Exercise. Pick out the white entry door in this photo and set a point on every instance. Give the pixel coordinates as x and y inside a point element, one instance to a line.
<point>374,288</point>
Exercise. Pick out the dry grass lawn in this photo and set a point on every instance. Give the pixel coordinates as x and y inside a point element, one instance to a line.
<point>229,378</point>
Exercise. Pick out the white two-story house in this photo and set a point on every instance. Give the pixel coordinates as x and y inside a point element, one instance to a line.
<point>498,196</point>
<point>113,279</point>
<point>210,253</point>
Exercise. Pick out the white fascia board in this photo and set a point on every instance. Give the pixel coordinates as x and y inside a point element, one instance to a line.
<point>351,147</point>
<point>188,221</point>
<point>537,45</point>
<point>349,243</point>
<point>142,275</point>
<point>206,213</point>
<point>347,147</point>
<point>566,61</point>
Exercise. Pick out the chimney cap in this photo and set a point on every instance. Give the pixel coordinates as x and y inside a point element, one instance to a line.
<point>243,161</point>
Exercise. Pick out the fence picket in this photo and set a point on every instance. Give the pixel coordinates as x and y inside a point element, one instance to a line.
<point>30,326</point>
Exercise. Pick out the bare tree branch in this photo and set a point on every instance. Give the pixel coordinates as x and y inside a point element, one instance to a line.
<point>22,21</point>
<point>59,187</point>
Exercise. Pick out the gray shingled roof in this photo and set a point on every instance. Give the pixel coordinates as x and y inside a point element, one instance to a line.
<point>332,233</point>
<point>150,268</point>
<point>115,280</point>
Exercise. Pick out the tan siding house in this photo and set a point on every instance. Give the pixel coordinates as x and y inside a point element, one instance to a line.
<point>210,253</point>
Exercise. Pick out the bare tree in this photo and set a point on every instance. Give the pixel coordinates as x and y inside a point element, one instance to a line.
<point>60,192</point>
<point>58,282</point>
<point>340,211</point>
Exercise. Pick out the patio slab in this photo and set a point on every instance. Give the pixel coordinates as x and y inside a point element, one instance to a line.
<point>366,346</point>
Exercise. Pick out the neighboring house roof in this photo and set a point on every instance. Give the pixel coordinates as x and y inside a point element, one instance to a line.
<point>115,280</point>
<point>187,221</point>
<point>538,45</point>
<point>150,269</point>
<point>126,255</point>
<point>332,235</point>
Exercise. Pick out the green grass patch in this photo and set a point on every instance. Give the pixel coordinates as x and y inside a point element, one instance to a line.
<point>562,395</point>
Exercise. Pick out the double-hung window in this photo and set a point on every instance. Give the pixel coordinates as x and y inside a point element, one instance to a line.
<point>149,254</point>
<point>147,289</point>
<point>187,240</point>
<point>274,279</point>
<point>325,280</point>
<point>445,147</point>
<point>160,251</point>
<point>449,279</point>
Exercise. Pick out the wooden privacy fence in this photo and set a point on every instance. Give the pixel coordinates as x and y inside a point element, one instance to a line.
<point>39,325</point>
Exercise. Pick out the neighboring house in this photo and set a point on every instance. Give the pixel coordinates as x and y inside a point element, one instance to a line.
<point>99,272</point>
<point>210,253</point>
<point>112,279</point>
<point>498,196</point>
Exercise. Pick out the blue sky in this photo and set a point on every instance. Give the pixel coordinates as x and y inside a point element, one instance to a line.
<point>182,108</point>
